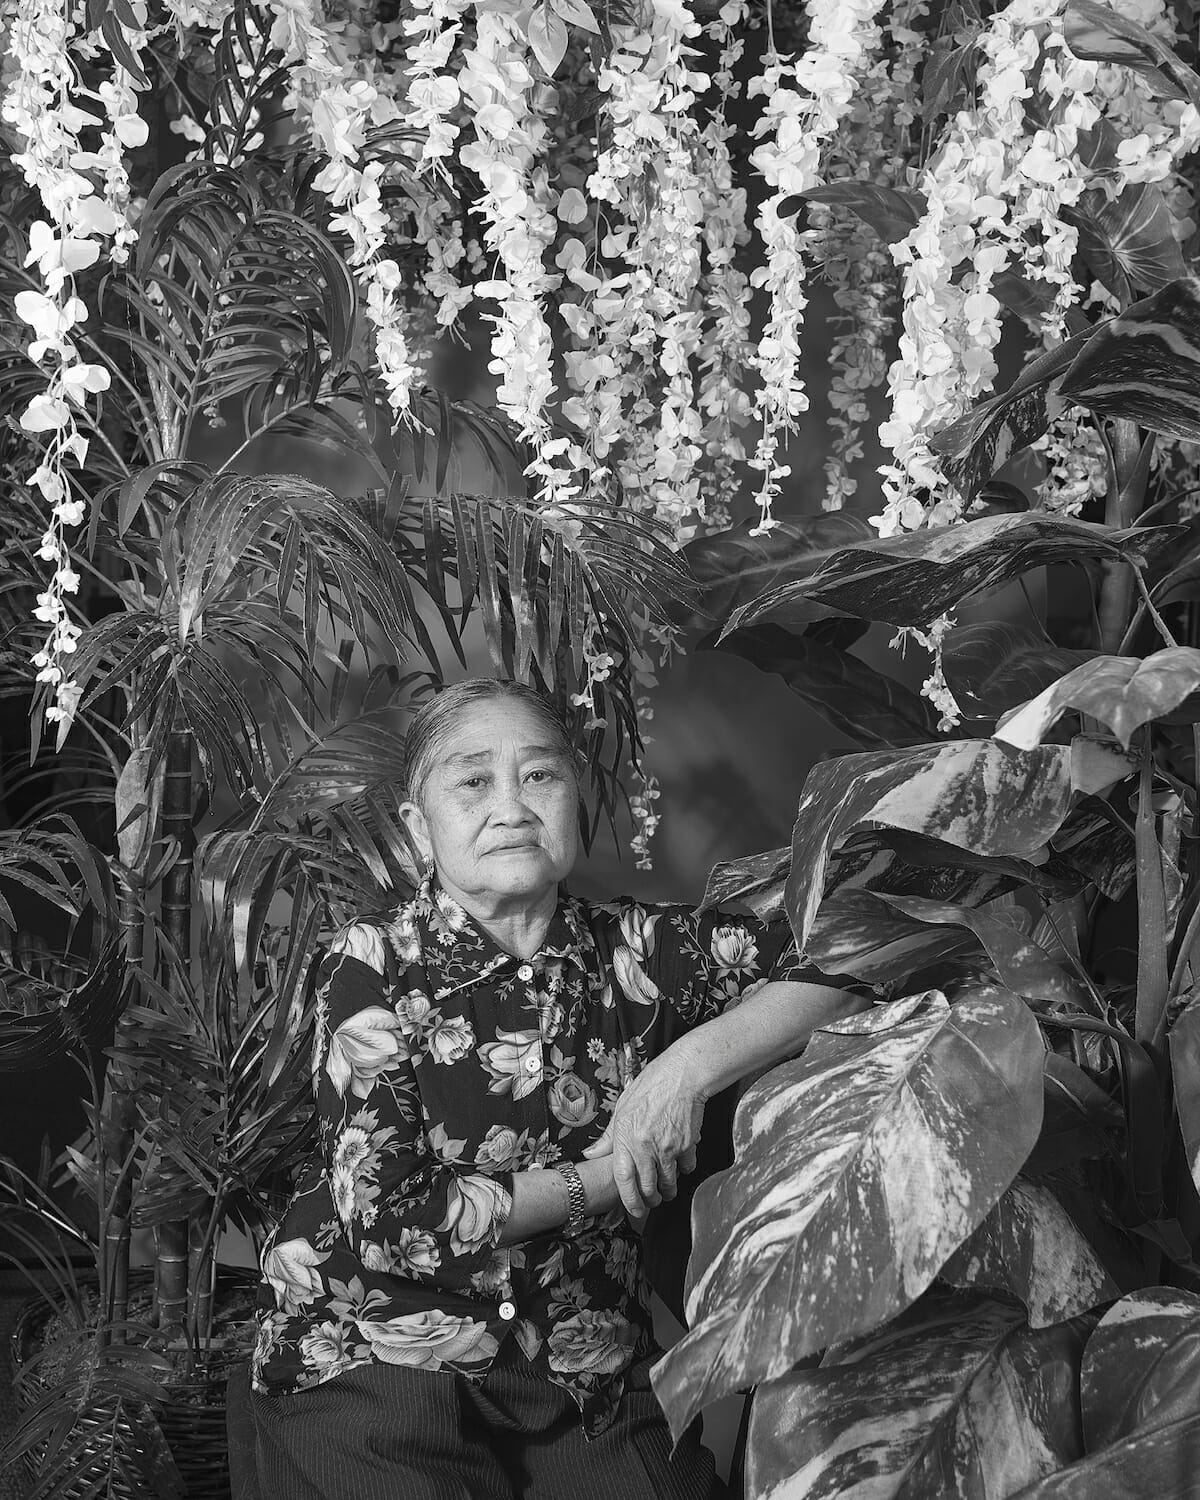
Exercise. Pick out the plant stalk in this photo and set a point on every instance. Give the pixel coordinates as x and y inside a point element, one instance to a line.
<point>1125,500</point>
<point>171,1253</point>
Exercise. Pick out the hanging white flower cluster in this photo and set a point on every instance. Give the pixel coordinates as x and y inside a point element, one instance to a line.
<point>994,193</point>
<point>805,103</point>
<point>44,104</point>
<point>726,349</point>
<point>341,108</point>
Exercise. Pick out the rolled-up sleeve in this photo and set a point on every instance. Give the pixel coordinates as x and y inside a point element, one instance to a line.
<point>402,1207</point>
<point>680,969</point>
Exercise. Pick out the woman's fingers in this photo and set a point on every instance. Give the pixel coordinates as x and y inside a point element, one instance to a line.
<point>667,1180</point>
<point>647,1176</point>
<point>601,1147</point>
<point>626,1177</point>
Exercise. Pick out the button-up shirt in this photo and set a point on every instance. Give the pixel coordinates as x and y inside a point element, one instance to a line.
<point>442,1065</point>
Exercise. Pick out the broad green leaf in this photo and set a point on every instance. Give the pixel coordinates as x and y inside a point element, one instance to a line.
<point>1099,33</point>
<point>1096,845</point>
<point>1123,692</point>
<point>1030,1248</point>
<point>986,437</point>
<point>870,708</point>
<point>733,567</point>
<point>1140,1387</point>
<point>1129,241</point>
<point>859,932</point>
<point>994,666</point>
<point>1021,964</point>
<point>911,579</point>
<point>1141,1364</point>
<point>955,1398</point>
<point>859,1168</point>
<point>1145,365</point>
<point>1184,1042</point>
<point>757,881</point>
<point>548,39</point>
<point>891,212</point>
<point>1080,1121</point>
<point>937,791</point>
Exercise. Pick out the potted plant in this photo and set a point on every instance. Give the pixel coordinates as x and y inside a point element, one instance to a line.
<point>958,1251</point>
<point>249,645</point>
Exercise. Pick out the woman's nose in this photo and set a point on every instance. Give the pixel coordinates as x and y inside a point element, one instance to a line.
<point>509,806</point>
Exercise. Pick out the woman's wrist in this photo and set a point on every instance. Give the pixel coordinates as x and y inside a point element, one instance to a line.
<point>599,1185</point>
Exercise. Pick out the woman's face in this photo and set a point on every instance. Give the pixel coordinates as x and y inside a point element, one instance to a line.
<point>498,810</point>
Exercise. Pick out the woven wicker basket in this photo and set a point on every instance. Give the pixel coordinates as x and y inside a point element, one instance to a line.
<point>192,1417</point>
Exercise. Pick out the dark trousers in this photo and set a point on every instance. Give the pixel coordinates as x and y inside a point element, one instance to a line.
<point>388,1432</point>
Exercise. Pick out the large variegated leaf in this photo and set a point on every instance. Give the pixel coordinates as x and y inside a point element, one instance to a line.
<point>860,932</point>
<point>735,566</point>
<point>973,794</point>
<point>1021,964</point>
<point>891,212</point>
<point>1140,1385</point>
<point>872,709</point>
<point>1141,1365</point>
<point>1184,1042</point>
<point>859,1169</point>
<point>955,1398</point>
<point>892,860</point>
<point>1145,364</point>
<point>1123,692</point>
<point>1030,1247</point>
<point>1079,1119</point>
<point>911,579</point>
<point>1129,241</point>
<point>757,881</point>
<point>987,436</point>
<point>1100,33</point>
<point>995,666</point>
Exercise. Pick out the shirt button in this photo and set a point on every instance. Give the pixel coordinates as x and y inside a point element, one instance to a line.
<point>533,1064</point>
<point>525,973</point>
<point>508,1311</point>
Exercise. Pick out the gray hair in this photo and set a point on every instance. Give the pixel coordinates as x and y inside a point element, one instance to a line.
<point>434,722</point>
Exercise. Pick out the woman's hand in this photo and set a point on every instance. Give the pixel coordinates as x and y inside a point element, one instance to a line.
<point>653,1132</point>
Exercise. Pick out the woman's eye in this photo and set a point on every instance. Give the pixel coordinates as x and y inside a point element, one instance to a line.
<point>473,782</point>
<point>541,775</point>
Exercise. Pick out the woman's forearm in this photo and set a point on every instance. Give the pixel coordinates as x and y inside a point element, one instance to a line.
<point>539,1199</point>
<point>773,1023</point>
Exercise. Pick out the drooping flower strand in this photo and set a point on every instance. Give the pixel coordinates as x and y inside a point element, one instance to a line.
<point>726,350</point>
<point>873,146</point>
<point>994,195</point>
<point>647,171</point>
<point>342,107</point>
<point>41,104</point>
<point>805,104</point>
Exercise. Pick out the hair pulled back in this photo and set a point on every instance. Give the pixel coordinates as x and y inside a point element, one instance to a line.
<point>435,721</point>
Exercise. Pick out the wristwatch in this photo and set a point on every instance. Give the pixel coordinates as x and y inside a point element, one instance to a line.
<point>576,1198</point>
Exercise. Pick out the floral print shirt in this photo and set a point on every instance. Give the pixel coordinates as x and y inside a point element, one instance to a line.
<point>442,1065</point>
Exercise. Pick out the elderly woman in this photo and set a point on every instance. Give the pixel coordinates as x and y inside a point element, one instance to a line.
<point>508,1079</point>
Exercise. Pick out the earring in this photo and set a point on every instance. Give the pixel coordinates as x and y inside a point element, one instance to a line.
<point>427,870</point>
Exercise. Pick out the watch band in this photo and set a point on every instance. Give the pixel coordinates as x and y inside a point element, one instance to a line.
<point>576,1197</point>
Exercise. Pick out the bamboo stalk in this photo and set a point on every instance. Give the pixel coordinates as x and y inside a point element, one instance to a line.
<point>119,1117</point>
<point>171,1252</point>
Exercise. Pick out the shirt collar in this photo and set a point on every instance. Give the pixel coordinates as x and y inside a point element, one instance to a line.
<point>451,940</point>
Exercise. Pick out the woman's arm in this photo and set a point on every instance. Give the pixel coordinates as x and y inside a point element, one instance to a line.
<point>654,1129</point>
<point>539,1198</point>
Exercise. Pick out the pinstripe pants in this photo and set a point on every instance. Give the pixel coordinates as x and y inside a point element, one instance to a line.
<point>388,1432</point>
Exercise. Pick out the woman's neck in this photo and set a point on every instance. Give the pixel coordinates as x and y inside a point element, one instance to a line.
<point>519,927</point>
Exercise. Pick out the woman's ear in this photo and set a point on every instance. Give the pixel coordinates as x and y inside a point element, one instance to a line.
<point>417,829</point>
